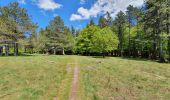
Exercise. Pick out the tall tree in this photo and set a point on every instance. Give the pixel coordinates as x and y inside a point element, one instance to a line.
<point>55,32</point>
<point>120,22</point>
<point>104,41</point>
<point>102,22</point>
<point>91,22</point>
<point>42,40</point>
<point>130,18</point>
<point>109,19</point>
<point>167,12</point>
<point>73,31</point>
<point>84,41</point>
<point>156,15</point>
<point>20,21</point>
<point>137,13</point>
<point>57,35</point>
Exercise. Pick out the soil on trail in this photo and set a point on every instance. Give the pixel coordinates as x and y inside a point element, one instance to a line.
<point>74,85</point>
<point>72,69</point>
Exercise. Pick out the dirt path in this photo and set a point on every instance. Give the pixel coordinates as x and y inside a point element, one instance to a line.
<point>74,85</point>
<point>72,69</point>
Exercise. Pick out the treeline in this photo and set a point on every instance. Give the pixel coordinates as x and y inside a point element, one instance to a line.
<point>139,32</point>
<point>56,38</point>
<point>16,28</point>
<point>142,32</point>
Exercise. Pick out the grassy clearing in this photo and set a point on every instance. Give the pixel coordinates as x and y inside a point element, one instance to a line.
<point>123,79</point>
<point>41,77</point>
<point>32,77</point>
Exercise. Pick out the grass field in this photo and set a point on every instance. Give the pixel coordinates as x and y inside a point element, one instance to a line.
<point>41,77</point>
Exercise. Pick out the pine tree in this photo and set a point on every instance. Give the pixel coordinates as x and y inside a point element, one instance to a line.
<point>91,22</point>
<point>130,9</point>
<point>120,22</point>
<point>109,19</point>
<point>102,22</point>
<point>15,23</point>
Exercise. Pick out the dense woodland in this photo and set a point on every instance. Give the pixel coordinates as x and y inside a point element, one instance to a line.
<point>139,32</point>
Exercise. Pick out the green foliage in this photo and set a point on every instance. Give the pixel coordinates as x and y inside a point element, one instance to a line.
<point>93,39</point>
<point>55,32</point>
<point>141,32</point>
<point>56,36</point>
<point>109,19</point>
<point>84,41</point>
<point>6,25</point>
<point>16,21</point>
<point>104,40</point>
<point>119,27</point>
<point>102,22</point>
<point>41,44</point>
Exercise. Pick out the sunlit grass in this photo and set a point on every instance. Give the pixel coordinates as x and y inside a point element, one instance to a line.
<point>40,77</point>
<point>119,79</point>
<point>31,77</point>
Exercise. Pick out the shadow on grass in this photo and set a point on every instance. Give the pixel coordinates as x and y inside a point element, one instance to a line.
<point>100,57</point>
<point>145,59</point>
<point>19,55</point>
<point>137,59</point>
<point>126,58</point>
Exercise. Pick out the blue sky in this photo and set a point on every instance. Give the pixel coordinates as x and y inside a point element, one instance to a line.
<point>76,13</point>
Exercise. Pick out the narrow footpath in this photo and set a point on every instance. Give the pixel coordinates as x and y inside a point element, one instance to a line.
<point>72,69</point>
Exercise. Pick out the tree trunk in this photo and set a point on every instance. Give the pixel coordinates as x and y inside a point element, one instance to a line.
<point>32,50</point>
<point>120,53</point>
<point>129,54</point>
<point>142,46</point>
<point>103,54</point>
<point>159,19</point>
<point>63,51</point>
<point>135,53</point>
<point>54,51</point>
<point>25,49</point>
<point>15,49</point>
<point>6,50</point>
<point>140,38</point>
<point>161,51</point>
<point>154,56</point>
<point>169,47</point>
<point>1,50</point>
<point>168,27</point>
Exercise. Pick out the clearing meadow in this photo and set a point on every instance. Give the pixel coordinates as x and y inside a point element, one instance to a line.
<point>41,77</point>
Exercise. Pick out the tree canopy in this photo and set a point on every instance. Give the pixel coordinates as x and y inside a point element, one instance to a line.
<point>142,32</point>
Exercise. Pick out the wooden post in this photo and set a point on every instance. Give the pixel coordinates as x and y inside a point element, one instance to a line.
<point>15,49</point>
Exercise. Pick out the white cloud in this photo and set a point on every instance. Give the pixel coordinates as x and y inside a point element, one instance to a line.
<point>103,6</point>
<point>75,17</point>
<point>82,1</point>
<point>47,4</point>
<point>22,1</point>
